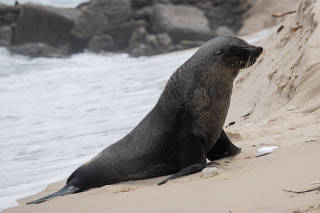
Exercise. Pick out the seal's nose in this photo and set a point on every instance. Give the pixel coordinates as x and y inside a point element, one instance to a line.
<point>259,50</point>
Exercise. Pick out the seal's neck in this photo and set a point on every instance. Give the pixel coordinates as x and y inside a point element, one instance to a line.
<point>217,78</point>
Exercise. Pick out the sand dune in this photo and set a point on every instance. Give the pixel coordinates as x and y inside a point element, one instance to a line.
<point>280,96</point>
<point>282,89</point>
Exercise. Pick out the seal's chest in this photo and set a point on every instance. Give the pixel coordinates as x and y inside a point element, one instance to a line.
<point>210,101</point>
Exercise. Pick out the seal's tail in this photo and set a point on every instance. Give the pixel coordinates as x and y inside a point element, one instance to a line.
<point>67,189</point>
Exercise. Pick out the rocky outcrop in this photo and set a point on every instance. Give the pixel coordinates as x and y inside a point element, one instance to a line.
<point>112,17</point>
<point>5,35</point>
<point>102,43</point>
<point>144,44</point>
<point>8,15</point>
<point>181,22</point>
<point>139,27</point>
<point>140,3</point>
<point>44,24</point>
<point>225,13</point>
<point>8,19</point>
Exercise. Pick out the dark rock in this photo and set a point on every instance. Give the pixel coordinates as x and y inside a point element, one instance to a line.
<point>187,1</point>
<point>163,1</point>
<point>8,14</point>
<point>140,3</point>
<point>181,22</point>
<point>144,44</point>
<point>138,36</point>
<point>229,13</point>
<point>3,8</point>
<point>176,1</point>
<point>143,14</point>
<point>123,32</point>
<point>223,30</point>
<point>205,5</point>
<point>151,41</point>
<point>5,35</point>
<point>192,1</point>
<point>137,45</point>
<point>77,44</point>
<point>38,50</point>
<point>106,17</point>
<point>164,42</point>
<point>101,43</point>
<point>42,24</point>
<point>102,16</point>
<point>10,18</point>
<point>141,27</point>
<point>83,5</point>
<point>15,9</point>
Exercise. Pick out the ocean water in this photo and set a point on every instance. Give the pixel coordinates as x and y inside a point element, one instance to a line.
<point>56,3</point>
<point>56,114</point>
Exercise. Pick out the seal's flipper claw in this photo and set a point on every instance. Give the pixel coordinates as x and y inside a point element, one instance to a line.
<point>67,189</point>
<point>233,150</point>
<point>163,182</point>
<point>186,171</point>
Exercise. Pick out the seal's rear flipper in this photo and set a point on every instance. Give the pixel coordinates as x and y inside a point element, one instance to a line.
<point>67,189</point>
<point>186,171</point>
<point>222,148</point>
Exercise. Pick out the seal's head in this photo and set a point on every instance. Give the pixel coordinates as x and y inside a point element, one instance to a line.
<point>229,52</point>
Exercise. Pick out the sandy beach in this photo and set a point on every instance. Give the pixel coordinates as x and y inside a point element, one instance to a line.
<point>245,184</point>
<point>276,102</point>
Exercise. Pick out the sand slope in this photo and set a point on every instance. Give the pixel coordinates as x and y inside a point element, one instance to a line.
<point>259,16</point>
<point>282,89</point>
<point>281,94</point>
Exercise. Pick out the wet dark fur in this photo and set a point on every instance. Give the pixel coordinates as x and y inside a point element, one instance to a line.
<point>182,129</point>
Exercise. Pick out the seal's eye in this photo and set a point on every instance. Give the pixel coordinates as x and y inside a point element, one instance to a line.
<point>217,52</point>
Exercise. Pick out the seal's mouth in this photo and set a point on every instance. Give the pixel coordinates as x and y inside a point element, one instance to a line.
<point>251,54</point>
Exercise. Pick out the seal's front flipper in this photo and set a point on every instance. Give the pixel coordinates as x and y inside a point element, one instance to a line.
<point>67,189</point>
<point>192,158</point>
<point>222,148</point>
<point>186,171</point>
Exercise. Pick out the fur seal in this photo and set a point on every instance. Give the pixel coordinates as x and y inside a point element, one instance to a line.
<point>182,130</point>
